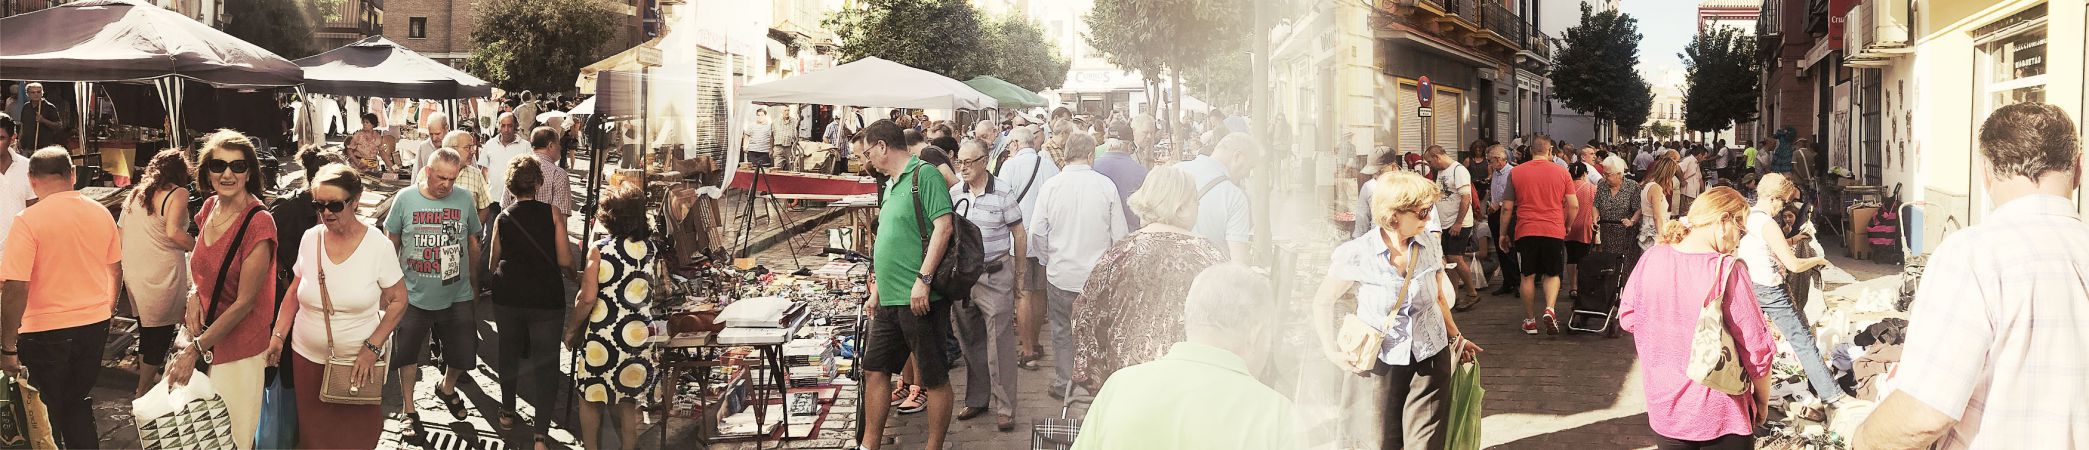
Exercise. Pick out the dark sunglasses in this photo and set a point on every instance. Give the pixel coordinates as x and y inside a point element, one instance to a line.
<point>333,206</point>
<point>218,166</point>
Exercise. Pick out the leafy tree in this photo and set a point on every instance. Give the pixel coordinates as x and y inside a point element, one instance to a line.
<point>1594,71</point>
<point>1152,36</point>
<point>1722,74</point>
<point>1018,53</point>
<point>941,36</point>
<point>1661,130</point>
<point>537,44</point>
<point>1223,80</point>
<point>277,26</point>
<point>1635,106</point>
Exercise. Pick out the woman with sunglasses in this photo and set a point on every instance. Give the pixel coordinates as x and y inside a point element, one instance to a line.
<point>530,262</point>
<point>233,269</point>
<point>1404,295</point>
<point>156,247</point>
<point>345,290</point>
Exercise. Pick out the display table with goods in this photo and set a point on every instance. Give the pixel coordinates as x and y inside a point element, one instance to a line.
<point>754,355</point>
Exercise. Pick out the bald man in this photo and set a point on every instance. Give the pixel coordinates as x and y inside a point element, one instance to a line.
<point>413,154</point>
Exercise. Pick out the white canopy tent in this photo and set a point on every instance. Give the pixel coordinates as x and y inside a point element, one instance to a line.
<point>870,82</point>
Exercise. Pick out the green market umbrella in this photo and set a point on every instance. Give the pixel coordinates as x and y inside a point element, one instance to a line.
<point>1008,94</point>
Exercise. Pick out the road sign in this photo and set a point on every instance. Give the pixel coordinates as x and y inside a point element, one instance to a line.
<point>1423,112</point>
<point>1424,92</point>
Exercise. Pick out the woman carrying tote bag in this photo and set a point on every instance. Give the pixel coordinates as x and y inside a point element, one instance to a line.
<point>233,269</point>
<point>1694,318</point>
<point>1401,331</point>
<point>348,297</point>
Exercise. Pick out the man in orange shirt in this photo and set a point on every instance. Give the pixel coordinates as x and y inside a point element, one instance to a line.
<point>60,269</point>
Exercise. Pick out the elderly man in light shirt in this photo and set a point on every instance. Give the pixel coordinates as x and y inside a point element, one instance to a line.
<point>414,154</point>
<point>1203,394</point>
<point>1025,173</point>
<point>1998,339</point>
<point>1077,218</point>
<point>1222,206</point>
<point>495,154</point>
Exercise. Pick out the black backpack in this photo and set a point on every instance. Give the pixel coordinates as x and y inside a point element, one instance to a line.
<point>965,258</point>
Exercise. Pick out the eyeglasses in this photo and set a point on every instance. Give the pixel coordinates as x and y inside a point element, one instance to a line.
<point>218,166</point>
<point>333,206</point>
<point>971,161</point>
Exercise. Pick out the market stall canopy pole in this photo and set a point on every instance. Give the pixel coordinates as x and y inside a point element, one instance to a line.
<point>170,97</point>
<point>871,82</point>
<point>378,67</point>
<point>131,41</point>
<point>1008,94</point>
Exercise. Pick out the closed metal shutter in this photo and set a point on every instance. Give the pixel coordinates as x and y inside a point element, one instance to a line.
<point>1449,108</point>
<point>1409,125</point>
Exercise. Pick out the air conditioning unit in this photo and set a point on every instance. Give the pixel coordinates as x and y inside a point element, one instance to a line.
<point>1877,30</point>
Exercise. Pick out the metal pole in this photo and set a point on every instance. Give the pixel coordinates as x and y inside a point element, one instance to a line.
<point>1264,246</point>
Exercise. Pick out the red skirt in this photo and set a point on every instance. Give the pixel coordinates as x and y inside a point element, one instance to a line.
<point>327,425</point>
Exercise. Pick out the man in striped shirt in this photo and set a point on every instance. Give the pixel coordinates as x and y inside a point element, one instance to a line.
<point>986,324</point>
<point>1998,338</point>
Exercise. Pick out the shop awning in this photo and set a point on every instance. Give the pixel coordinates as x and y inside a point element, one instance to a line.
<point>378,67</point>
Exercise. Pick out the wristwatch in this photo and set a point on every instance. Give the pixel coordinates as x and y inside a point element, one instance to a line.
<point>927,279</point>
<point>206,356</point>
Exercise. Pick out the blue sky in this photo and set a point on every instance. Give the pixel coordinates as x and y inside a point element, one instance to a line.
<point>1665,26</point>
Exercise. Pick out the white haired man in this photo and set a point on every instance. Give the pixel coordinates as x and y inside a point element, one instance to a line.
<point>414,154</point>
<point>1203,394</point>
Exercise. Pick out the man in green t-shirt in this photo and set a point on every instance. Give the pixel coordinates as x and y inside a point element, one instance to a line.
<point>432,225</point>
<point>907,320</point>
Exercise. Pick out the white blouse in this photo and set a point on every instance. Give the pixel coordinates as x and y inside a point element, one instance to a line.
<point>356,286</point>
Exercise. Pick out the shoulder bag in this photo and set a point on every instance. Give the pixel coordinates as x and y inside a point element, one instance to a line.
<point>337,385</point>
<point>1715,359</point>
<point>1358,340</point>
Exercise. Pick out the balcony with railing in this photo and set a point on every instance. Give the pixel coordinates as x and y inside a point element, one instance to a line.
<point>1501,25</point>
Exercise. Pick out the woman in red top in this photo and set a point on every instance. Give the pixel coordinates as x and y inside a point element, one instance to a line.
<point>231,331</point>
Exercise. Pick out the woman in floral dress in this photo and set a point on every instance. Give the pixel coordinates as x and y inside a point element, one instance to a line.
<point>1130,311</point>
<point>612,311</point>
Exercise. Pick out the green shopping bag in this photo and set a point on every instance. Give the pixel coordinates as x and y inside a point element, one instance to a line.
<point>1466,393</point>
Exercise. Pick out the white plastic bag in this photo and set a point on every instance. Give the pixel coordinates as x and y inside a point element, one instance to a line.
<point>191,416</point>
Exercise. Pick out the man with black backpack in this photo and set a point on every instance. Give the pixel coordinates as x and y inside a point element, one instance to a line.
<point>986,323</point>
<point>909,318</point>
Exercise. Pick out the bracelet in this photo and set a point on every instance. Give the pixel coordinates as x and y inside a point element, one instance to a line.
<point>9,352</point>
<point>372,348</point>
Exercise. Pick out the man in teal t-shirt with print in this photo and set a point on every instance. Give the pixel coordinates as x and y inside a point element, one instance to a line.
<point>432,225</point>
<point>907,320</point>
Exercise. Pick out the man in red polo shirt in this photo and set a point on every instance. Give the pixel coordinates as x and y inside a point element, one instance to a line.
<point>1541,205</point>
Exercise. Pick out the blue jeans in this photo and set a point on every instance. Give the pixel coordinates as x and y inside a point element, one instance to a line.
<point>1777,304</point>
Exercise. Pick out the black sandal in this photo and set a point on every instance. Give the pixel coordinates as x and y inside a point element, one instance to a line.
<point>1029,362</point>
<point>411,434</point>
<point>508,419</point>
<point>453,401</point>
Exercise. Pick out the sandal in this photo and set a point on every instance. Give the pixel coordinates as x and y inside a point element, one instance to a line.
<point>541,441</point>
<point>899,393</point>
<point>508,419</point>
<point>917,402</point>
<point>1029,362</point>
<point>453,401</point>
<point>411,434</point>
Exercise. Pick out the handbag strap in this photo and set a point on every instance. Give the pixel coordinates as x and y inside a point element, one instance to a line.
<point>1033,178</point>
<point>1400,294</point>
<point>326,298</point>
<point>218,287</point>
<point>526,235</point>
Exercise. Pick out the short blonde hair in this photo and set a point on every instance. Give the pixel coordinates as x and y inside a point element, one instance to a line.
<point>1168,196</point>
<point>1400,190</point>
<point>1774,185</point>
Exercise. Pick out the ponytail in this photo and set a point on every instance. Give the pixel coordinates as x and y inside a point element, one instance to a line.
<point>1673,231</point>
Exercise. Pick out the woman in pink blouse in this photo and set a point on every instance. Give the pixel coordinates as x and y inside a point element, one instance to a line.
<point>1660,306</point>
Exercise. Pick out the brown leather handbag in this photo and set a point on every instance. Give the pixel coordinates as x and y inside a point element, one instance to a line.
<point>337,385</point>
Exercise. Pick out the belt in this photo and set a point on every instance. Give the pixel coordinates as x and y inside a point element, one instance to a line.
<point>996,265</point>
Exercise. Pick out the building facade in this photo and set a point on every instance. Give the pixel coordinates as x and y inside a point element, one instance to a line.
<point>1471,52</point>
<point>1564,123</point>
<point>441,29</point>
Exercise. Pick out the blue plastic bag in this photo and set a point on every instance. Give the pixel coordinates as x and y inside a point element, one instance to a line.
<point>278,427</point>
